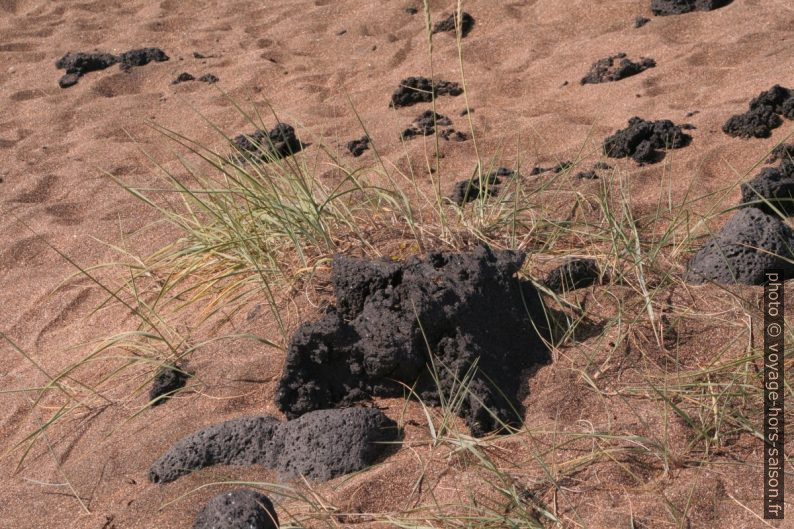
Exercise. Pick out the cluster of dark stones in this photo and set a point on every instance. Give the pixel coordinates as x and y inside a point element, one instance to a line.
<point>79,64</point>
<point>266,146</point>
<point>357,147</point>
<point>426,123</point>
<point>185,77</point>
<point>414,90</point>
<point>763,115</point>
<point>644,141</point>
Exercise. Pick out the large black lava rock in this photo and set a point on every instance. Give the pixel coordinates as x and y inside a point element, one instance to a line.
<point>772,188</point>
<point>413,90</point>
<point>320,445</point>
<point>266,146</point>
<point>750,242</point>
<point>763,115</point>
<point>395,319</point>
<point>238,509</point>
<point>679,7</point>
<point>643,140</point>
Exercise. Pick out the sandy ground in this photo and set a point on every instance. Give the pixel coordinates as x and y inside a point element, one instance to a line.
<point>305,58</point>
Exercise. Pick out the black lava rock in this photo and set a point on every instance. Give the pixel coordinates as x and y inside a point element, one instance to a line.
<point>183,78</point>
<point>640,21</point>
<point>642,140</point>
<point>140,57</point>
<point>615,68</point>
<point>78,64</point>
<point>763,115</point>
<point>320,445</point>
<point>413,90</point>
<point>357,147</point>
<point>449,23</point>
<point>280,142</point>
<point>573,274</point>
<point>749,243</point>
<point>602,165</point>
<point>389,317</point>
<point>587,175</point>
<point>167,381</point>
<point>238,509</point>
<point>679,7</point>
<point>425,124</point>
<point>772,188</point>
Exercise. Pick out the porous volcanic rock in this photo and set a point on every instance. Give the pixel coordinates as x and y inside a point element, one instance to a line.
<point>238,509</point>
<point>167,381</point>
<point>357,147</point>
<point>413,90</point>
<point>319,445</point>
<point>280,142</point>
<point>679,7</point>
<point>763,115</point>
<point>642,140</point>
<point>448,24</point>
<point>750,242</point>
<point>772,188</point>
<point>640,21</point>
<point>464,308</point>
<point>573,274</point>
<point>615,68</point>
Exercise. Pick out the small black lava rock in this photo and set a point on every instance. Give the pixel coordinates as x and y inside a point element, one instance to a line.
<point>573,274</point>
<point>183,78</point>
<point>449,24</point>
<point>167,381</point>
<point>357,147</point>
